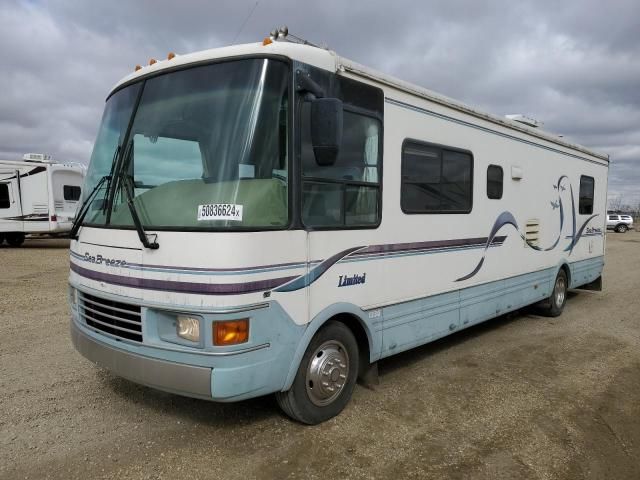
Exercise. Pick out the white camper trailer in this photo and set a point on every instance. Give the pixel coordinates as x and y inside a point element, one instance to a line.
<point>274,218</point>
<point>37,196</point>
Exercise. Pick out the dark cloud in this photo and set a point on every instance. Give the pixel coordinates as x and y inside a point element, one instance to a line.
<point>575,64</point>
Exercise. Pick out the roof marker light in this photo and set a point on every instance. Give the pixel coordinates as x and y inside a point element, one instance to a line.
<point>171,56</point>
<point>152,61</point>
<point>138,67</point>
<point>266,41</point>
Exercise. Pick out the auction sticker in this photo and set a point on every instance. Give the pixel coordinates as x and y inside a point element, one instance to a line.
<point>220,211</point>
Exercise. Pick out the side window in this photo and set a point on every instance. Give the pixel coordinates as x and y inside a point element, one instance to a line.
<point>585,206</point>
<point>435,179</point>
<point>4,196</point>
<point>495,176</point>
<point>71,192</point>
<point>347,193</point>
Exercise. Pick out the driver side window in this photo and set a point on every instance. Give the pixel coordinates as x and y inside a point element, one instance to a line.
<point>347,193</point>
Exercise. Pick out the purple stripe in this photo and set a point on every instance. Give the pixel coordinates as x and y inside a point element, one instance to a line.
<point>408,247</point>
<point>183,287</point>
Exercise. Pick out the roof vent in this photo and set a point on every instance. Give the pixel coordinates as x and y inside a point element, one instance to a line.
<point>531,122</point>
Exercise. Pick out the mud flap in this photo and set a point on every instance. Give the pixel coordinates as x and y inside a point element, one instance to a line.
<point>595,286</point>
<point>369,376</point>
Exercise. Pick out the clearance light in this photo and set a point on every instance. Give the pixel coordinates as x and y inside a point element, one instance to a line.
<point>138,67</point>
<point>231,332</point>
<point>171,56</point>
<point>266,41</point>
<point>152,61</point>
<point>188,328</point>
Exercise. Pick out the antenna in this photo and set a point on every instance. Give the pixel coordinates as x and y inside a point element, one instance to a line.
<point>245,22</point>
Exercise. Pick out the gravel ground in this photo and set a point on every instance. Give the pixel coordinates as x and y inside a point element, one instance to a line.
<point>518,397</point>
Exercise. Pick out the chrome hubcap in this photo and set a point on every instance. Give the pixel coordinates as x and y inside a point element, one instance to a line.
<point>327,373</point>
<point>560,291</point>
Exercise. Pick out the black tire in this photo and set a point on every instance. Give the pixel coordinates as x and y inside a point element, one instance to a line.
<point>305,401</point>
<point>554,305</point>
<point>622,228</point>
<point>1,238</point>
<point>15,239</point>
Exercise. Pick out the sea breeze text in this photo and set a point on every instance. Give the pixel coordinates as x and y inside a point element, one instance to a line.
<point>100,260</point>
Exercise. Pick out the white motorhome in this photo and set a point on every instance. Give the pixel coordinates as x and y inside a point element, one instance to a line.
<point>37,196</point>
<point>274,218</point>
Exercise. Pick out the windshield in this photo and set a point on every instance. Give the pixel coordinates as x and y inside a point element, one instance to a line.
<point>207,149</point>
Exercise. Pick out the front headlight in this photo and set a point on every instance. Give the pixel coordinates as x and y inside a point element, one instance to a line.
<point>188,328</point>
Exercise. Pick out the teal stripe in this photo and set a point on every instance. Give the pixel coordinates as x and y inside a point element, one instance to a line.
<point>229,272</point>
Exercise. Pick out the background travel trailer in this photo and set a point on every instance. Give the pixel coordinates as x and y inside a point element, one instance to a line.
<point>37,196</point>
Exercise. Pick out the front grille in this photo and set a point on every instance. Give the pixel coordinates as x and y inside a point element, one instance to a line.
<point>115,318</point>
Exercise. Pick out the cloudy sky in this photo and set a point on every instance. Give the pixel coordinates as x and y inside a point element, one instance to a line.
<point>573,64</point>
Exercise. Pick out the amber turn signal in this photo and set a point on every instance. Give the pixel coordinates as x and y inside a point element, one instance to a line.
<point>231,332</point>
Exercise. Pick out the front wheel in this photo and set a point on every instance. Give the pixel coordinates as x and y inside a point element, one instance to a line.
<point>326,376</point>
<point>622,228</point>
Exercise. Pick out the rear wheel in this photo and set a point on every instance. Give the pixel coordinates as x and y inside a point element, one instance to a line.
<point>622,228</point>
<point>556,302</point>
<point>326,376</point>
<point>15,239</point>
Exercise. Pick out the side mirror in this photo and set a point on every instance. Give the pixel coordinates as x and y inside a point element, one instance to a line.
<point>326,129</point>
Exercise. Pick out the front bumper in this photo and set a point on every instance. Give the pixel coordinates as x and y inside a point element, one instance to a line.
<point>172,377</point>
<point>221,374</point>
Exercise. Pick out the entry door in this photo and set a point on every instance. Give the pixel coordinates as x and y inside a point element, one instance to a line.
<point>10,209</point>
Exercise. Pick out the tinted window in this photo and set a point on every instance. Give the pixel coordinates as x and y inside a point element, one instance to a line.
<point>586,195</point>
<point>435,179</point>
<point>71,192</point>
<point>4,196</point>
<point>495,177</point>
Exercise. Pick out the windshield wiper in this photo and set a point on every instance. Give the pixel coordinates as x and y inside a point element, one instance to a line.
<point>84,208</point>
<point>114,160</point>
<point>126,183</point>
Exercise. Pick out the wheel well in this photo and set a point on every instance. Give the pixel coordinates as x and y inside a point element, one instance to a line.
<point>353,323</point>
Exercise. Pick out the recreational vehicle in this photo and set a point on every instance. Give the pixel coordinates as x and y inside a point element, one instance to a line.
<point>274,218</point>
<point>37,196</point>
